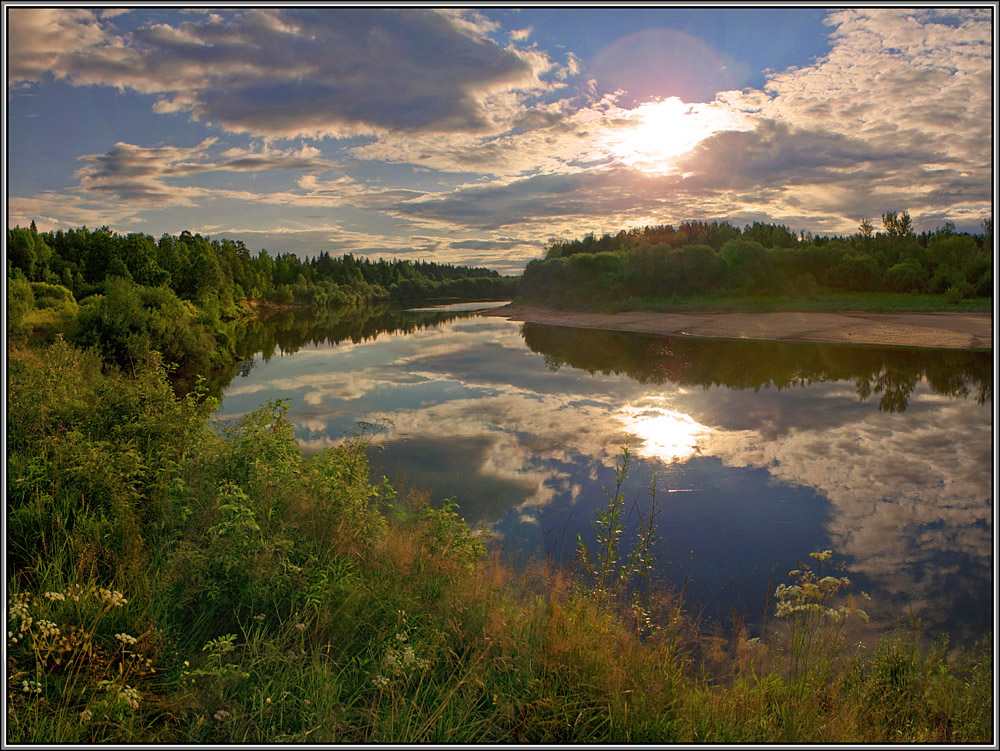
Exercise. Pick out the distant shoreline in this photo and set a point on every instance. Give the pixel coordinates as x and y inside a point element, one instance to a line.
<point>936,330</point>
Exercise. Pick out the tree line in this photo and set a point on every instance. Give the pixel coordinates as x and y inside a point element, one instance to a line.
<point>126,294</point>
<point>701,257</point>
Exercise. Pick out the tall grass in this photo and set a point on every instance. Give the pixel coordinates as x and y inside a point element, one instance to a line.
<point>177,582</point>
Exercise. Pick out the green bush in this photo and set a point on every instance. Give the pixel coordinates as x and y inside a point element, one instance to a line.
<point>906,276</point>
<point>20,299</point>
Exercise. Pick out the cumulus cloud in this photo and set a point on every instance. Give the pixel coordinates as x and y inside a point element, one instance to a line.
<point>39,38</point>
<point>326,72</point>
<point>897,115</point>
<point>914,85</point>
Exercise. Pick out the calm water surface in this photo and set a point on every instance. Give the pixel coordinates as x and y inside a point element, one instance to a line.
<point>762,451</point>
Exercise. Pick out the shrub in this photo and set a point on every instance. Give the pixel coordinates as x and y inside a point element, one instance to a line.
<point>907,276</point>
<point>20,299</point>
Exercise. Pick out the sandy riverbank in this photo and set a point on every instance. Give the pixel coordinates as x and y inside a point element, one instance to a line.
<point>947,330</point>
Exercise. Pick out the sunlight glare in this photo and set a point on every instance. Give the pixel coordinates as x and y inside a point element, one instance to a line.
<point>665,434</point>
<point>658,132</point>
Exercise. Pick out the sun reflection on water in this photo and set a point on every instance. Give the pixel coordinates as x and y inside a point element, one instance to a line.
<point>666,435</point>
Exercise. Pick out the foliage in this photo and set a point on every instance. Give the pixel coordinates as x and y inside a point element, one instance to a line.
<point>184,295</point>
<point>66,665</point>
<point>617,272</point>
<point>20,298</point>
<point>614,574</point>
<point>815,623</point>
<point>279,598</point>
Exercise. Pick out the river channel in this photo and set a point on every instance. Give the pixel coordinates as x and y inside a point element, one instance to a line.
<point>762,451</point>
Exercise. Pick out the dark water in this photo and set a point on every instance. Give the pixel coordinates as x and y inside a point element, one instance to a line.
<point>763,452</point>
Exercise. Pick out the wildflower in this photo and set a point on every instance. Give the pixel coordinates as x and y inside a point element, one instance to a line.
<point>131,696</point>
<point>18,611</point>
<point>221,715</point>
<point>259,617</point>
<point>300,626</point>
<point>125,638</point>
<point>73,591</point>
<point>824,556</point>
<point>55,596</point>
<point>831,584</point>
<point>31,687</point>
<point>48,628</point>
<point>112,597</point>
<point>85,715</point>
<point>306,702</point>
<point>267,700</point>
<point>187,664</point>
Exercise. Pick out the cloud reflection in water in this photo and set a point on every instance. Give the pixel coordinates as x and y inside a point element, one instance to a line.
<point>764,437</point>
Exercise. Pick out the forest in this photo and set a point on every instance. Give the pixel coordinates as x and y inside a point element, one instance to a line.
<point>664,262</point>
<point>129,294</point>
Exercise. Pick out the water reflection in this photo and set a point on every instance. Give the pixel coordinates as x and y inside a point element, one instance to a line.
<point>762,451</point>
<point>891,373</point>
<point>662,433</point>
<point>288,331</point>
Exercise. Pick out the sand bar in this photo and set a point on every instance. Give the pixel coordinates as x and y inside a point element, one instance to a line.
<point>942,330</point>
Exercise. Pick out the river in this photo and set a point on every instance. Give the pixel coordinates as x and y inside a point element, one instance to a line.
<point>762,451</point>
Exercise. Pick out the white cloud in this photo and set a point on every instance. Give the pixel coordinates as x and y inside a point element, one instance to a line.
<point>310,82</point>
<point>897,115</point>
<point>40,37</point>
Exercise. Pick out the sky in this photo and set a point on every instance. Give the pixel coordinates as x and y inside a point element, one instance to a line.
<point>479,136</point>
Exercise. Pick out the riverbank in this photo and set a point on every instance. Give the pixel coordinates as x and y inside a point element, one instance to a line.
<point>245,593</point>
<point>938,330</point>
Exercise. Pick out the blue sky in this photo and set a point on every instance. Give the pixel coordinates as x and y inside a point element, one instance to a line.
<point>477,136</point>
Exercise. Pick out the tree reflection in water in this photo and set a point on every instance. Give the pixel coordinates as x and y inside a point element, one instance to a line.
<point>891,373</point>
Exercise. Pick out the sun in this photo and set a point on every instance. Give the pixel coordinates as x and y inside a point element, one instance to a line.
<point>652,136</point>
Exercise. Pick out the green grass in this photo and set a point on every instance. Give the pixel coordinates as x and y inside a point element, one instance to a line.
<point>171,583</point>
<point>827,302</point>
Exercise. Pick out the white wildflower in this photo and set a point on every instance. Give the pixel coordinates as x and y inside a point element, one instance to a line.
<point>112,597</point>
<point>131,696</point>
<point>47,629</point>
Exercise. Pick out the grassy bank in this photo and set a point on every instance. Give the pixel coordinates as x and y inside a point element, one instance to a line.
<point>174,581</point>
<point>827,302</point>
